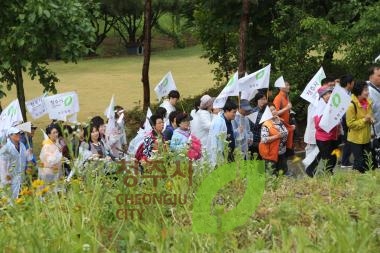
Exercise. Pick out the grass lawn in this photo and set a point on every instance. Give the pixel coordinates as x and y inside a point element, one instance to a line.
<point>96,80</point>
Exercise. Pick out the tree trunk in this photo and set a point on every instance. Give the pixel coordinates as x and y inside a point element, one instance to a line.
<point>147,42</point>
<point>243,38</point>
<point>20,90</point>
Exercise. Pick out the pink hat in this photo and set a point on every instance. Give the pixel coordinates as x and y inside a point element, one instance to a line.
<point>324,89</point>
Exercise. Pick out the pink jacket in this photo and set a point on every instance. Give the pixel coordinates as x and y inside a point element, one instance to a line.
<point>321,135</point>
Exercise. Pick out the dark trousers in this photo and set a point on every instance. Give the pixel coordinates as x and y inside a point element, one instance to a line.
<point>346,151</point>
<point>325,150</point>
<point>362,156</point>
<point>311,169</point>
<point>276,167</point>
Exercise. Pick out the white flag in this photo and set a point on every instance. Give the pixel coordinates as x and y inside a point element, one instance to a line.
<point>280,82</point>
<point>10,116</point>
<point>25,127</point>
<point>147,126</point>
<point>335,108</point>
<point>253,82</point>
<point>310,93</point>
<point>166,85</point>
<point>253,117</point>
<point>377,58</point>
<point>266,115</point>
<point>62,105</point>
<point>36,107</point>
<point>110,114</point>
<point>231,89</point>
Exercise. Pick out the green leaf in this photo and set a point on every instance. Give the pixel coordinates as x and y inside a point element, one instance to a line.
<point>47,13</point>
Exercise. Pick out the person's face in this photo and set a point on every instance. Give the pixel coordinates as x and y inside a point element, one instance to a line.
<point>326,97</point>
<point>31,134</point>
<point>94,134</point>
<point>216,110</point>
<point>159,126</point>
<point>375,78</point>
<point>53,136</point>
<point>243,112</point>
<point>173,101</point>
<point>102,129</point>
<point>331,84</point>
<point>273,110</point>
<point>184,125</point>
<point>286,88</point>
<point>262,102</point>
<point>230,115</point>
<point>15,138</point>
<point>365,93</point>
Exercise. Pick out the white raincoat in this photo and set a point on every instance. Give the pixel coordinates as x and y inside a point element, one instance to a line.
<point>12,166</point>
<point>247,135</point>
<point>51,157</point>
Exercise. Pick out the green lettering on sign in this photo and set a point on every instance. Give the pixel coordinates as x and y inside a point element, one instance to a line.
<point>204,222</point>
<point>260,74</point>
<point>336,100</point>
<point>68,101</point>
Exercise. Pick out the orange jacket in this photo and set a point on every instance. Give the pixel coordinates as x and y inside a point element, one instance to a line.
<point>269,151</point>
<point>280,102</point>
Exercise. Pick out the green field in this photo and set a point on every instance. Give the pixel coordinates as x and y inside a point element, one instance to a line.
<point>96,80</point>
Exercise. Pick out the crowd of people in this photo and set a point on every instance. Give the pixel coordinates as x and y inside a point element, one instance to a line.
<point>209,134</point>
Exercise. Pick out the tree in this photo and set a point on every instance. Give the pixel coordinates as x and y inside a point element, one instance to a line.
<point>29,28</point>
<point>243,38</point>
<point>147,43</point>
<point>129,14</point>
<point>217,25</point>
<point>101,20</point>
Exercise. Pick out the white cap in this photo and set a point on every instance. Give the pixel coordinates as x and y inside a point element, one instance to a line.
<point>13,130</point>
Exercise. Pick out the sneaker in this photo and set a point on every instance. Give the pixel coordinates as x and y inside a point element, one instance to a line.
<point>346,166</point>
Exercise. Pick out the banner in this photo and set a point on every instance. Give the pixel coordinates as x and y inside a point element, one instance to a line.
<point>310,93</point>
<point>36,107</point>
<point>166,85</point>
<point>249,85</point>
<point>335,108</point>
<point>62,106</point>
<point>231,89</point>
<point>10,116</point>
<point>280,82</point>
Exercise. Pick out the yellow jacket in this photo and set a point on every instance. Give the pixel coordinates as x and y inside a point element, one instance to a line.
<point>359,131</point>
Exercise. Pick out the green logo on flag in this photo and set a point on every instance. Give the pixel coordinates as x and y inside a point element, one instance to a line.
<point>165,82</point>
<point>336,100</point>
<point>231,81</point>
<point>204,222</point>
<point>11,111</point>
<point>260,74</point>
<point>68,101</point>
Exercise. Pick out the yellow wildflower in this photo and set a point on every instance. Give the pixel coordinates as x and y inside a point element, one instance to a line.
<point>296,159</point>
<point>37,183</point>
<point>25,191</point>
<point>45,189</point>
<point>19,200</point>
<point>169,185</point>
<point>337,153</point>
